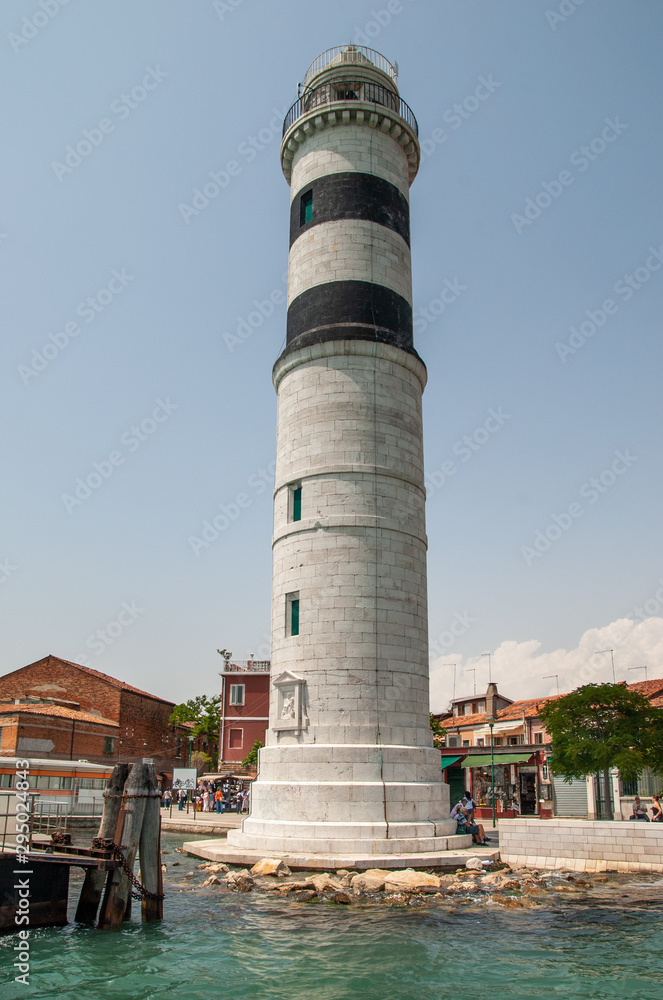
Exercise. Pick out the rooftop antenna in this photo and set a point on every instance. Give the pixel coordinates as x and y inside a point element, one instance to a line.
<point>548,677</point>
<point>640,668</point>
<point>454,666</point>
<point>612,657</point>
<point>473,670</point>
<point>490,671</point>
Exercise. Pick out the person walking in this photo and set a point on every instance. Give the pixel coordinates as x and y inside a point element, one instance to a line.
<point>182,799</point>
<point>656,810</point>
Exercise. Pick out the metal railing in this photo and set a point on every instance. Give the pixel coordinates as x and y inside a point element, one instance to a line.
<point>247,666</point>
<point>352,54</point>
<point>350,90</point>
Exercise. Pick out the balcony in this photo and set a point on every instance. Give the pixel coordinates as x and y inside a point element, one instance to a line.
<point>247,667</point>
<point>342,91</point>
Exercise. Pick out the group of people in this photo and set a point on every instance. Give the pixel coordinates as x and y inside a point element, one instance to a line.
<point>640,810</point>
<point>463,813</point>
<point>211,796</point>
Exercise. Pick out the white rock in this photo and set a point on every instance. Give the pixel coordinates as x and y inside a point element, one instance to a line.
<point>371,880</point>
<point>270,866</point>
<point>474,864</point>
<point>409,879</point>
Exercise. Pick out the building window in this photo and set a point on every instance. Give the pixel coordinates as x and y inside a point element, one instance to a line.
<point>306,208</point>
<point>292,614</point>
<point>480,742</point>
<point>467,709</point>
<point>295,502</point>
<point>514,741</point>
<point>109,744</point>
<point>538,737</point>
<point>497,742</point>
<point>235,738</point>
<point>466,743</point>
<point>237,695</point>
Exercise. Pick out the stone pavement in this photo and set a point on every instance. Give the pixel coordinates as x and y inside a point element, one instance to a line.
<point>205,824</point>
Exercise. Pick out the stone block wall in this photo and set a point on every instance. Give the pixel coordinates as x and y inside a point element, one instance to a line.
<point>582,845</point>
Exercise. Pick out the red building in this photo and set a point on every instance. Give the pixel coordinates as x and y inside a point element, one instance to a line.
<point>57,709</point>
<point>245,708</point>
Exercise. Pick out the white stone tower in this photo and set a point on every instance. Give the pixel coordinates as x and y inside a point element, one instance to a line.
<point>349,768</point>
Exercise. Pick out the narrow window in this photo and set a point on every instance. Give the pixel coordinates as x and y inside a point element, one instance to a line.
<point>538,737</point>
<point>235,739</point>
<point>236,694</point>
<point>109,744</point>
<point>295,502</point>
<point>292,614</point>
<point>306,208</point>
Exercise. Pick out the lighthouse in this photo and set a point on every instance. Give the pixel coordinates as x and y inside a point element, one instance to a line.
<point>349,768</point>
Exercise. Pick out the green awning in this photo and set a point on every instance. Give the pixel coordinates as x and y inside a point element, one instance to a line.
<point>448,761</point>
<point>481,760</point>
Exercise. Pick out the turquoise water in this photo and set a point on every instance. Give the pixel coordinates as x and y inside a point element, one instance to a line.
<point>235,946</point>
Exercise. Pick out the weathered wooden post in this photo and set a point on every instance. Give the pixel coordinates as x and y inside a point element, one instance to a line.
<point>119,887</point>
<point>150,853</point>
<point>93,885</point>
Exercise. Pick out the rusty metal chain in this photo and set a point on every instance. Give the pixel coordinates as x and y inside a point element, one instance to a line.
<point>139,892</point>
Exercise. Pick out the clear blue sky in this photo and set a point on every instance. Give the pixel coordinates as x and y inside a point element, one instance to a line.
<point>507,95</point>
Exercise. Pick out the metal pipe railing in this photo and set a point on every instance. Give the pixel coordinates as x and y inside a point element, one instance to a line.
<point>349,90</point>
<point>352,54</point>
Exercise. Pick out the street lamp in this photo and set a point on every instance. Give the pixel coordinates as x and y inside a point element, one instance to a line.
<point>491,723</point>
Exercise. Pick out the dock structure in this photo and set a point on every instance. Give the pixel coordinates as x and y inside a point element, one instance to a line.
<point>130,826</point>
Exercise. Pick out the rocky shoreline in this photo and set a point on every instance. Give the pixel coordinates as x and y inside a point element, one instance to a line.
<point>478,883</point>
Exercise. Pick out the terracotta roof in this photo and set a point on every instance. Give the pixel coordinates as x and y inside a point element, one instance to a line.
<point>513,712</point>
<point>57,710</point>
<point>96,673</point>
<point>649,688</point>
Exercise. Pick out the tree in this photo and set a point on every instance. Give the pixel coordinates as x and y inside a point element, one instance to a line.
<point>439,733</point>
<point>251,758</point>
<point>601,726</point>
<point>205,713</point>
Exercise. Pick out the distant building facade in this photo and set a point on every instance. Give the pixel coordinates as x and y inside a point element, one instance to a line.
<point>54,708</point>
<point>524,779</point>
<point>244,708</point>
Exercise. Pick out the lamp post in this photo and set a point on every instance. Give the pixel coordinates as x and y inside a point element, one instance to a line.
<point>491,723</point>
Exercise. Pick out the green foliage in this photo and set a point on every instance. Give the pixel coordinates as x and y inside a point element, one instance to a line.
<point>251,759</point>
<point>205,713</point>
<point>439,733</point>
<point>600,726</point>
<point>200,760</point>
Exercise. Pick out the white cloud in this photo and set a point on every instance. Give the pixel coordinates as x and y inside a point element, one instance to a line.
<point>518,668</point>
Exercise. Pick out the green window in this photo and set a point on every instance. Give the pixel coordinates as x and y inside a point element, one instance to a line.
<point>306,208</point>
<point>292,614</point>
<point>297,503</point>
<point>109,744</point>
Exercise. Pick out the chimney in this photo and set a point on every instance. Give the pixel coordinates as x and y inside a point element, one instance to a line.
<point>491,701</point>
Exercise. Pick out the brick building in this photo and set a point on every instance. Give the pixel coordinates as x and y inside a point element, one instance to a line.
<point>244,709</point>
<point>85,713</point>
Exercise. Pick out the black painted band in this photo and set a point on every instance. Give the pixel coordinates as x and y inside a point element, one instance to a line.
<point>352,195</point>
<point>349,310</point>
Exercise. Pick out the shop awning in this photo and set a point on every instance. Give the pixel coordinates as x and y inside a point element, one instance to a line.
<point>481,760</point>
<point>448,761</point>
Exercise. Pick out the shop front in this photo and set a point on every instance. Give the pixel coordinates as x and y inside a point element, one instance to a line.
<point>511,781</point>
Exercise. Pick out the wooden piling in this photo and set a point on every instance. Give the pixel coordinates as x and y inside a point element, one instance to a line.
<point>119,887</point>
<point>93,886</point>
<point>150,852</point>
